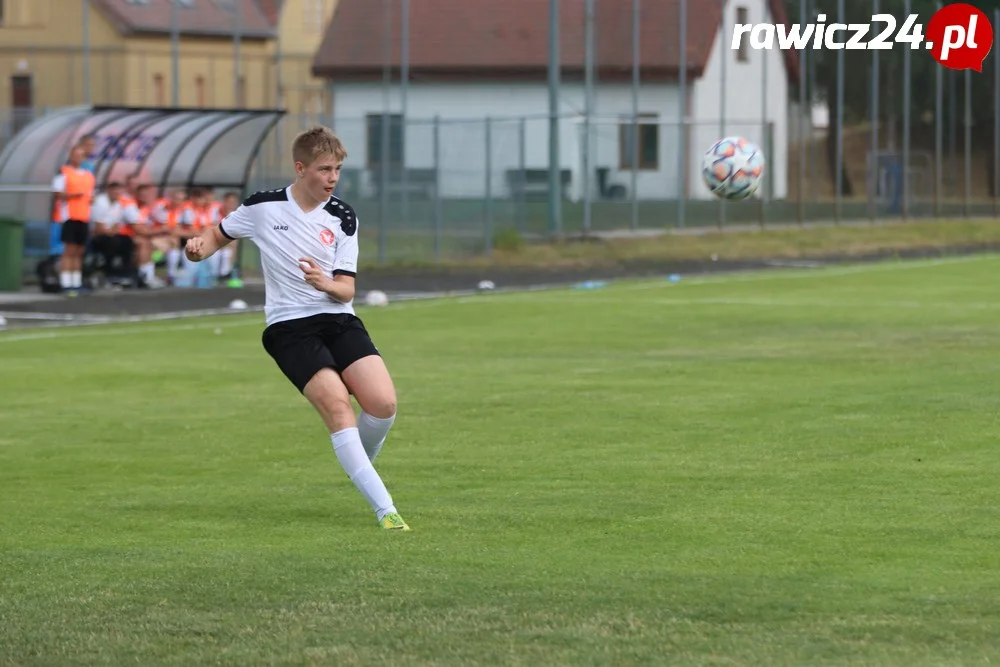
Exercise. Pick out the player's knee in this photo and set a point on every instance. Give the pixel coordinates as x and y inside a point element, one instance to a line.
<point>338,414</point>
<point>330,398</point>
<point>383,407</point>
<point>379,402</point>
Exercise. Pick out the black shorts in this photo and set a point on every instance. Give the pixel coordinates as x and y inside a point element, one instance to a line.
<point>304,346</point>
<point>75,232</point>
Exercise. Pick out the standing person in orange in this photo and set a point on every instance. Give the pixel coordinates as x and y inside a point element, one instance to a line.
<point>73,187</point>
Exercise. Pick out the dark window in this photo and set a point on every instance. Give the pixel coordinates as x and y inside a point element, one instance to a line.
<point>649,143</point>
<point>395,149</point>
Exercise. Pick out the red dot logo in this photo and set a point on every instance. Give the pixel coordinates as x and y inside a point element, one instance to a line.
<point>327,237</point>
<point>960,36</point>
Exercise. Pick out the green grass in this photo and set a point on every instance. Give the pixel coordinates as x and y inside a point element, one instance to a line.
<point>754,244</point>
<point>775,469</point>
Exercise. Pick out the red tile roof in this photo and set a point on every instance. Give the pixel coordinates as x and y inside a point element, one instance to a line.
<point>202,17</point>
<point>509,39</point>
<point>271,9</point>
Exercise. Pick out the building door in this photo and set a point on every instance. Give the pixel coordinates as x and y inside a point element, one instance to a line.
<point>21,100</point>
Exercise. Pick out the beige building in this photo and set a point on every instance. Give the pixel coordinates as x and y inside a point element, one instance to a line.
<point>44,62</point>
<point>301,25</point>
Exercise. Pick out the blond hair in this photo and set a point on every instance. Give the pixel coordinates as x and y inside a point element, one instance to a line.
<point>317,142</point>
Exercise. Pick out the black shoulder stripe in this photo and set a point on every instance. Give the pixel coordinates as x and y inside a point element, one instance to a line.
<point>266,196</point>
<point>342,210</point>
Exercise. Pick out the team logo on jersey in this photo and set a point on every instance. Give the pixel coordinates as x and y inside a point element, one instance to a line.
<point>327,238</point>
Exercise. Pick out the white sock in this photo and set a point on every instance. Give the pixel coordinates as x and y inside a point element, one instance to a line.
<point>148,271</point>
<point>173,259</point>
<point>373,431</point>
<point>351,454</point>
<point>76,279</point>
<point>225,261</point>
<point>65,280</point>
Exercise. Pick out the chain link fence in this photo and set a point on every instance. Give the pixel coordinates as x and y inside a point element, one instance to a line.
<point>848,136</point>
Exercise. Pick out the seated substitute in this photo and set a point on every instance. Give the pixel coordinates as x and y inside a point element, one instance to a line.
<point>108,240</point>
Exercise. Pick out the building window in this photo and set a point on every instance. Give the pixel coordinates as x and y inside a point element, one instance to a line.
<point>649,143</point>
<point>159,91</point>
<point>20,91</point>
<point>743,18</point>
<point>199,91</point>
<point>395,148</point>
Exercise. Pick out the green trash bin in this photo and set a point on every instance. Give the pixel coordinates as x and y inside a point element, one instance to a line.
<point>11,254</point>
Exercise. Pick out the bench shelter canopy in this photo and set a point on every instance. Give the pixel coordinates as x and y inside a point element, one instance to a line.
<point>166,147</point>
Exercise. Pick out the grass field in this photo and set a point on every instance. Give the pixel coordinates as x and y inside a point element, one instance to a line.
<point>793,468</point>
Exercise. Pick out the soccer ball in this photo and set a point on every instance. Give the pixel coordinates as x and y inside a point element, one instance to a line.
<point>733,168</point>
<point>376,298</point>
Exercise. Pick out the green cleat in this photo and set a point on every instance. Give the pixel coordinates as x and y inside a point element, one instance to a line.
<point>393,521</point>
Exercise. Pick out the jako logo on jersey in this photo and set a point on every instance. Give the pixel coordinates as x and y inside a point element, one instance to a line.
<point>281,228</point>
<point>327,237</point>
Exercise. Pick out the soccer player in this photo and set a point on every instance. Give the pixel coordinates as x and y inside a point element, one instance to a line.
<point>308,241</point>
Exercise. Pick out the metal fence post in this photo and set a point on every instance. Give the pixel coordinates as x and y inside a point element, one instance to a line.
<point>839,180</point>
<point>175,56</point>
<point>488,203</point>
<point>522,176</point>
<point>723,49</point>
<point>404,85</point>
<point>907,102</point>
<point>805,120</point>
<point>634,223</point>
<point>438,212</point>
<point>968,142</point>
<point>682,145</point>
<point>765,128</point>
<point>86,52</point>
<point>996,121</point>
<point>874,149</point>
<point>588,104</point>
<point>383,233</point>
<point>555,157</point>
<point>938,134</point>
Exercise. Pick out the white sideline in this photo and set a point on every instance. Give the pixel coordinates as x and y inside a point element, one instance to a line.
<point>84,328</point>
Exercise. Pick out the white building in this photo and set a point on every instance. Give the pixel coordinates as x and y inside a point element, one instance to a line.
<point>489,60</point>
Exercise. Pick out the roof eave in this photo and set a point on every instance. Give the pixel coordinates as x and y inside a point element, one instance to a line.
<point>376,73</point>
<point>157,32</point>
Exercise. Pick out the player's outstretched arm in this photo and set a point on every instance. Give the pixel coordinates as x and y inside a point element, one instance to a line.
<point>205,245</point>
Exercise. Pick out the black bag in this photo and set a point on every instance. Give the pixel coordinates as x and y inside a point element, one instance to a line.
<point>47,271</point>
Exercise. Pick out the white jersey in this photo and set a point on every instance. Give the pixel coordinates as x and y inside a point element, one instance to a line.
<point>285,234</point>
<point>106,212</point>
